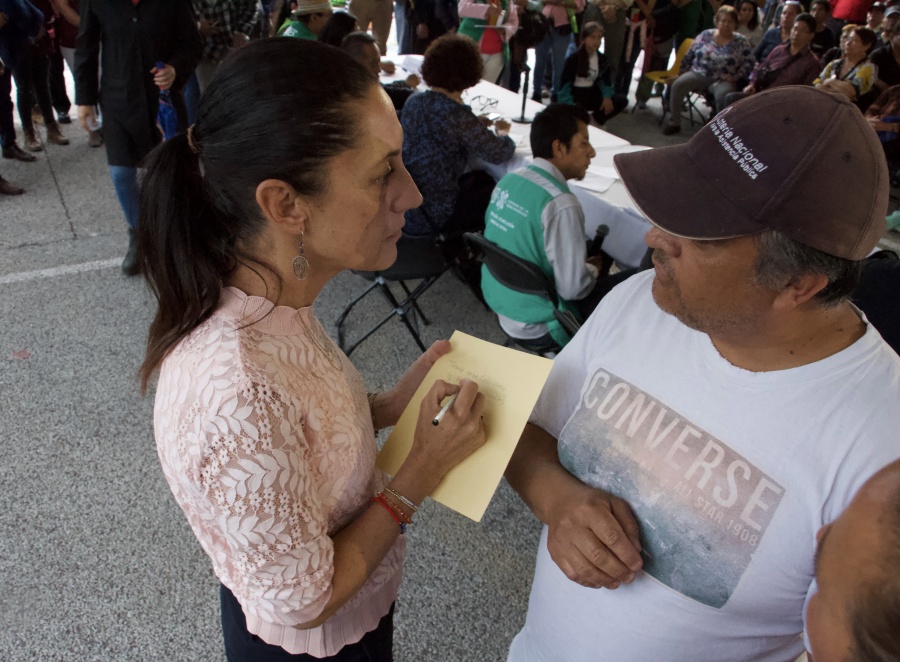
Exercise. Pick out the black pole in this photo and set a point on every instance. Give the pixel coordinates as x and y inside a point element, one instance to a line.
<point>523,119</point>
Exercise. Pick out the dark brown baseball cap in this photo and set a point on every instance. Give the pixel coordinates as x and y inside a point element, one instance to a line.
<point>793,159</point>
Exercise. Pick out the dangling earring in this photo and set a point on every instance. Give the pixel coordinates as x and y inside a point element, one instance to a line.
<point>300,265</point>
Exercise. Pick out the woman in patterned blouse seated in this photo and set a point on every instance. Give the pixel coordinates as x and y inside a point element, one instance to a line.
<point>852,74</point>
<point>717,61</point>
<point>440,134</point>
<point>263,427</point>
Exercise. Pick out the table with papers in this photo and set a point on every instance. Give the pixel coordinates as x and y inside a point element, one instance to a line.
<point>601,193</point>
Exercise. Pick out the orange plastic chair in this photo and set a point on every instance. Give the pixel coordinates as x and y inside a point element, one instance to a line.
<point>670,74</point>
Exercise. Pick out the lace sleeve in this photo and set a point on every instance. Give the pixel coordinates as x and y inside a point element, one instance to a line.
<point>262,505</point>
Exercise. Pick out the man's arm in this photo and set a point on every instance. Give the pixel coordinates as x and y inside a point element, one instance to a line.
<point>87,57</point>
<point>566,248</point>
<point>64,9</point>
<point>592,536</point>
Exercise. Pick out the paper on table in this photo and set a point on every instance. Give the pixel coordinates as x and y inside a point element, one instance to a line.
<point>604,171</point>
<point>511,382</point>
<point>594,182</point>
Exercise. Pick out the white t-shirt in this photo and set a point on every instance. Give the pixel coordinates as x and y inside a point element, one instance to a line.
<point>593,72</point>
<point>730,474</point>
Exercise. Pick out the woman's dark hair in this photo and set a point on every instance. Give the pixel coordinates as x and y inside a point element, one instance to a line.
<point>582,57</point>
<point>753,23</point>
<point>868,38</point>
<point>558,121</point>
<point>452,62</point>
<point>267,114</point>
<point>727,10</point>
<point>338,26</point>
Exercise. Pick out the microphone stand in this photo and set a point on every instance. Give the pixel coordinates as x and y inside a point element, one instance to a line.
<point>523,119</point>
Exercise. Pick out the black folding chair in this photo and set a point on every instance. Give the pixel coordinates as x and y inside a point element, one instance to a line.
<point>419,259</point>
<point>522,276</point>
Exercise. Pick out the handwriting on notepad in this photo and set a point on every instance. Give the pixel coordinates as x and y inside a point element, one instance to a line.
<point>493,390</point>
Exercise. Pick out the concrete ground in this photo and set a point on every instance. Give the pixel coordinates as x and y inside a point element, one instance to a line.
<point>96,560</point>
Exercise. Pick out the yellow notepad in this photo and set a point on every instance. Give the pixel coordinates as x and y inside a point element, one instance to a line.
<point>511,382</point>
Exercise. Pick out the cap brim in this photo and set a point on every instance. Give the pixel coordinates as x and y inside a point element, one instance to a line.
<point>674,195</point>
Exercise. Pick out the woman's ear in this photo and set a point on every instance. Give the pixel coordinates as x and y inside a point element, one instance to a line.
<point>281,204</point>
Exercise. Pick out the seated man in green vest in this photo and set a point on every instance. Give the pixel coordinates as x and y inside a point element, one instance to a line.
<point>533,215</point>
<point>307,21</point>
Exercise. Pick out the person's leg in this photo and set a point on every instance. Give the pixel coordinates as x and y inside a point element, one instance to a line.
<point>493,66</point>
<point>588,98</point>
<point>381,23</point>
<point>689,81</point>
<point>659,62</point>
<point>128,192</point>
<point>204,72</point>
<point>541,59</point>
<point>59,96</point>
<point>614,41</point>
<point>192,98</point>
<point>22,74</point>
<point>400,21</point>
<point>7,123</point>
<point>559,44</point>
<point>364,11</point>
<point>41,80</point>
<point>720,90</point>
<point>733,97</point>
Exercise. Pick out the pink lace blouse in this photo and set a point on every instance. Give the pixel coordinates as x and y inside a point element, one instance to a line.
<point>265,438</point>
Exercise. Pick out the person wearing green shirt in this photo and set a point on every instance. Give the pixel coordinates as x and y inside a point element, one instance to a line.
<point>307,21</point>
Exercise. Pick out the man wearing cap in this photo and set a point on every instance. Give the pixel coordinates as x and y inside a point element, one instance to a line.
<point>713,414</point>
<point>307,20</point>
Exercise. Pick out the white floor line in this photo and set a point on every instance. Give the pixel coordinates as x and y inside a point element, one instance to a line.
<point>25,276</point>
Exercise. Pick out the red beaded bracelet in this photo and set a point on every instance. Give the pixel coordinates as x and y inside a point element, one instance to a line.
<point>384,504</point>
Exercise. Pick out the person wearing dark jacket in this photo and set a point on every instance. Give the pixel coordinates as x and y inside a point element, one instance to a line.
<point>136,35</point>
<point>20,22</point>
<point>586,79</point>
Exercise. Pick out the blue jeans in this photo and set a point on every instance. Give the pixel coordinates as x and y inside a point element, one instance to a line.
<point>128,192</point>
<point>554,45</point>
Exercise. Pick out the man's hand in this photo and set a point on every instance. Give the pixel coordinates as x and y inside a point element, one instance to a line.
<point>594,538</point>
<point>750,89</point>
<point>388,67</point>
<point>502,127</point>
<point>86,118</point>
<point>413,81</point>
<point>163,78</point>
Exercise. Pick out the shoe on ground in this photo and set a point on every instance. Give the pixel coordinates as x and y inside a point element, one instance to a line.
<point>130,265</point>
<point>31,142</point>
<point>671,129</point>
<point>13,151</point>
<point>9,189</point>
<point>63,118</point>
<point>95,139</point>
<point>55,136</point>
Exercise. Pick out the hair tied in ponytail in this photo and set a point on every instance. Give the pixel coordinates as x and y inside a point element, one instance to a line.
<point>195,147</point>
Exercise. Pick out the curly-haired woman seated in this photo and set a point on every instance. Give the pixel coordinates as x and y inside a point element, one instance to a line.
<point>718,59</point>
<point>440,134</point>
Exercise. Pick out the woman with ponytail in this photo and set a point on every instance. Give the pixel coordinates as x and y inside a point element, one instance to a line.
<point>263,426</point>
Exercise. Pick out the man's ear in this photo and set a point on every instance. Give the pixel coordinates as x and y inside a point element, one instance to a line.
<point>800,290</point>
<point>280,204</point>
<point>560,149</point>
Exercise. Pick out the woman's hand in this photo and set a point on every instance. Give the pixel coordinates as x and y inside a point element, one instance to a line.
<point>87,118</point>
<point>413,81</point>
<point>390,404</point>
<point>438,448</point>
<point>607,106</point>
<point>387,67</point>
